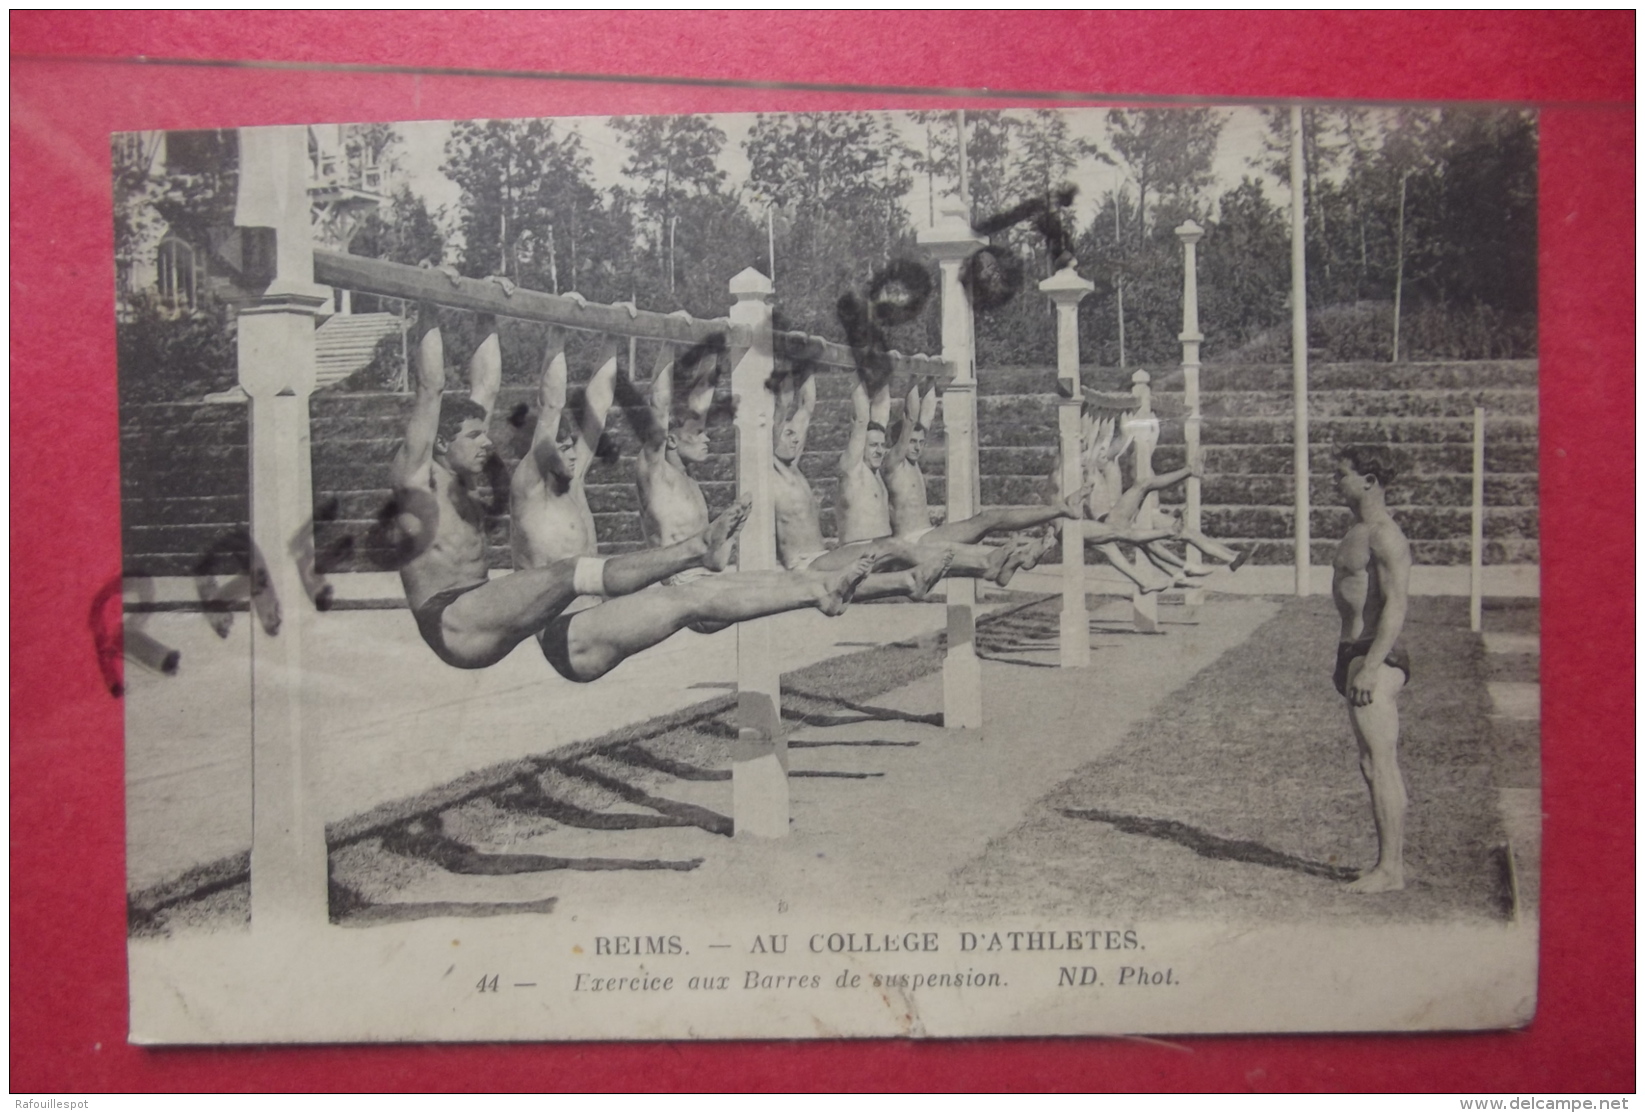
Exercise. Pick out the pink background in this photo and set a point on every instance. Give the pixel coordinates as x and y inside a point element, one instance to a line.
<point>68,1010</point>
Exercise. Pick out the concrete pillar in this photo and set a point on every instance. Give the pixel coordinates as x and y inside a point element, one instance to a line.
<point>1066,289</point>
<point>759,764</point>
<point>1144,428</point>
<point>949,242</point>
<point>1299,362</point>
<point>275,342</point>
<point>1190,234</point>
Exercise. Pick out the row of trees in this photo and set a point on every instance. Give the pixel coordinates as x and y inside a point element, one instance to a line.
<point>1434,209</point>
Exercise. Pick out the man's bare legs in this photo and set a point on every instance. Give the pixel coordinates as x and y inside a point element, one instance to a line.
<point>1207,547</point>
<point>1005,519</point>
<point>915,583</point>
<point>982,562</point>
<point>483,626</point>
<point>1376,729</point>
<point>1132,571</point>
<point>631,572</point>
<point>1129,505</point>
<point>1216,550</point>
<point>601,638</point>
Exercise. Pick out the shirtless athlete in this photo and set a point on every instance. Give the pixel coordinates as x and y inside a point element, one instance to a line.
<point>1118,507</point>
<point>1370,582</point>
<point>904,481</point>
<point>471,621</point>
<point>800,541</point>
<point>905,486</point>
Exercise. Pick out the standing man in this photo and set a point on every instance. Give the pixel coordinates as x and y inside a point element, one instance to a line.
<point>1370,582</point>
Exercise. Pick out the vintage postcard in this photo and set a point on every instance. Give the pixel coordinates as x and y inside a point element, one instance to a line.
<point>904,573</point>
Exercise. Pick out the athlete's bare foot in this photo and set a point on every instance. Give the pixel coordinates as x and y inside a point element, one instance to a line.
<point>837,588</point>
<point>1379,880</point>
<point>1006,560</point>
<point>721,535</point>
<point>1150,585</point>
<point>1039,547</point>
<point>926,575</point>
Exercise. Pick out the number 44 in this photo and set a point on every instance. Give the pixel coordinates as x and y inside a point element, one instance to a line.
<point>487,983</point>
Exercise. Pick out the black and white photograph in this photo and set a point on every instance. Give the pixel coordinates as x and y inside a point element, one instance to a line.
<point>957,572</point>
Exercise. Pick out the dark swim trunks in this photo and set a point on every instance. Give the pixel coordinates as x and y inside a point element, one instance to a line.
<point>431,620</point>
<point>1347,651</point>
<point>556,644</point>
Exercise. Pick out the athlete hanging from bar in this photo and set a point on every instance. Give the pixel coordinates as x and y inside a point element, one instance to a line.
<point>472,621</point>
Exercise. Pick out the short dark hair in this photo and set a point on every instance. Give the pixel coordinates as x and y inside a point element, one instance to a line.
<point>454,410</point>
<point>1373,460</point>
<point>873,425</point>
<point>895,432</point>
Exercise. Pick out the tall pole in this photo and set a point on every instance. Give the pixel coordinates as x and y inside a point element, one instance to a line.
<point>553,264</point>
<point>1119,280</point>
<point>1190,234</point>
<point>275,355</point>
<point>759,760</point>
<point>1299,354</point>
<point>965,175</point>
<point>1144,428</point>
<point>930,179</point>
<point>950,242</point>
<point>1066,289</point>
<point>1476,562</point>
<point>771,244</point>
<point>1399,262</point>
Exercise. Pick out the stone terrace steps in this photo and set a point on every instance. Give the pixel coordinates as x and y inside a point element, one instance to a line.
<point>1425,410</point>
<point>345,344</point>
<point>184,465</point>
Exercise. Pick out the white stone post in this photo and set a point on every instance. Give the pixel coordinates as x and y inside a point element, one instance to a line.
<point>1190,234</point>
<point>1144,427</point>
<point>950,241</point>
<point>275,344</point>
<point>759,764</point>
<point>1066,289</point>
<point>1301,542</point>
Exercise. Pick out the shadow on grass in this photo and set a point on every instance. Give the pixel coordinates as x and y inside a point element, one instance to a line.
<point>367,915</point>
<point>855,712</point>
<point>425,840</point>
<point>1003,660</point>
<point>1207,845</point>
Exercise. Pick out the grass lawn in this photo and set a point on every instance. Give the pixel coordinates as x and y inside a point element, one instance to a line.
<point>1242,798</point>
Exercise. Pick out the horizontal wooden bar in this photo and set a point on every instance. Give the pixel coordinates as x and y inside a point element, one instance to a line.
<point>397,280</point>
<point>480,295</point>
<point>827,353</point>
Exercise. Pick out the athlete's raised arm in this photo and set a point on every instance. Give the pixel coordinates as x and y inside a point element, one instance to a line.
<point>544,459</point>
<point>416,453</point>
